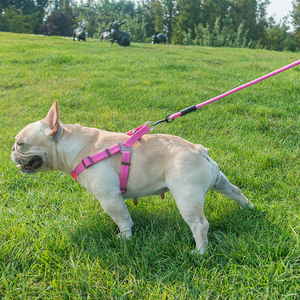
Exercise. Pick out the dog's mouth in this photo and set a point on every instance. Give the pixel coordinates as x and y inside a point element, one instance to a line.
<point>33,165</point>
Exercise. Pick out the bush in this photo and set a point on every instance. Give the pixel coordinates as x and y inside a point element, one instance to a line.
<point>58,23</point>
<point>222,35</point>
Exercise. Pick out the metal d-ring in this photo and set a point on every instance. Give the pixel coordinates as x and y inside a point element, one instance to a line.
<point>149,122</point>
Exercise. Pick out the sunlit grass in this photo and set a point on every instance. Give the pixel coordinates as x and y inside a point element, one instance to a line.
<point>55,240</point>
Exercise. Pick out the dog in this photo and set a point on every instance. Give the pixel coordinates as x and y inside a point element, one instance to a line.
<point>159,163</point>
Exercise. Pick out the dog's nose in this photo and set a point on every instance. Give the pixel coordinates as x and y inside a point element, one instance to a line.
<point>13,148</point>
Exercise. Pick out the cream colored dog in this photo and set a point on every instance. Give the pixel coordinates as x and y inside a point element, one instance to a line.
<point>159,163</point>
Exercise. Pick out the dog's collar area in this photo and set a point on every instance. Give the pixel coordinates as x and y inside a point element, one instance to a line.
<point>58,134</point>
<point>124,148</point>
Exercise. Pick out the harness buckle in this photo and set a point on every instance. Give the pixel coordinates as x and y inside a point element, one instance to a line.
<point>85,166</point>
<point>123,148</point>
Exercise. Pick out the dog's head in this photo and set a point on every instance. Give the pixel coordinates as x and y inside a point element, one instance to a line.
<point>35,144</point>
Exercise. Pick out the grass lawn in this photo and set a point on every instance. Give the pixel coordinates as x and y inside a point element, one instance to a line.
<point>56,242</point>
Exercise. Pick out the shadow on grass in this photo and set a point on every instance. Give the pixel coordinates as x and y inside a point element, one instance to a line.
<point>239,236</point>
<point>248,237</point>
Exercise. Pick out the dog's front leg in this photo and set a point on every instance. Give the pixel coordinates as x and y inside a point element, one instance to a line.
<point>104,185</point>
<point>115,206</point>
<point>113,203</point>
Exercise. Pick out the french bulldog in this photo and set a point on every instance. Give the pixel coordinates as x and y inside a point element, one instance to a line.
<point>159,163</point>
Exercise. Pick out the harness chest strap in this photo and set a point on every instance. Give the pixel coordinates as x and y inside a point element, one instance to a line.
<point>123,148</point>
<point>124,170</point>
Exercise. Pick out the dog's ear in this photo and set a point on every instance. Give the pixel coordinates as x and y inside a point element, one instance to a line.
<point>52,119</point>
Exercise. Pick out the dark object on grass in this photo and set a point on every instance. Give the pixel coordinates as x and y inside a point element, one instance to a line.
<point>158,38</point>
<point>105,35</point>
<point>79,33</point>
<point>121,37</point>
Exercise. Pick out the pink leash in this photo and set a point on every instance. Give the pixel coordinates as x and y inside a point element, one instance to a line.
<point>194,107</point>
<point>137,133</point>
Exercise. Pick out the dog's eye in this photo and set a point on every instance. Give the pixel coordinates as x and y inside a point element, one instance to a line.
<point>20,144</point>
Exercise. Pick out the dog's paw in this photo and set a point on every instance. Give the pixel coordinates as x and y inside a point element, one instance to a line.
<point>200,251</point>
<point>125,234</point>
<point>197,252</point>
<point>249,205</point>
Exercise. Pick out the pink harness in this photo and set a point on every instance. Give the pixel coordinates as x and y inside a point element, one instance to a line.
<point>124,148</point>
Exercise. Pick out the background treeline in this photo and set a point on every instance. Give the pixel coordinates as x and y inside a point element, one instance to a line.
<point>217,23</point>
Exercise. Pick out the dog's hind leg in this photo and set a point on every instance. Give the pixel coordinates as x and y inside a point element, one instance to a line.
<point>224,187</point>
<point>190,203</point>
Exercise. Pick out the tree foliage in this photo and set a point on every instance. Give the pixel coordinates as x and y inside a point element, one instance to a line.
<point>218,23</point>
<point>58,23</point>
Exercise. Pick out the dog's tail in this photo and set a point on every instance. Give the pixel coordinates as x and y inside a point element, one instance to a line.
<point>221,184</point>
<point>215,169</point>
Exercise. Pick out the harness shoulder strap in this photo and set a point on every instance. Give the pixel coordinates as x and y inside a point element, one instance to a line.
<point>87,162</point>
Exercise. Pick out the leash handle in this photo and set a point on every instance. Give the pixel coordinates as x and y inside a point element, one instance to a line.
<point>194,107</point>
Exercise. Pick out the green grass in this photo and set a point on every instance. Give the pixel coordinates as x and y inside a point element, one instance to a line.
<point>56,242</point>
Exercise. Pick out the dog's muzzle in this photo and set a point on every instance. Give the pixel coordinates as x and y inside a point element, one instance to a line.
<point>34,164</point>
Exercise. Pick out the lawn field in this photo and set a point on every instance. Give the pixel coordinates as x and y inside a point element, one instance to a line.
<point>56,242</point>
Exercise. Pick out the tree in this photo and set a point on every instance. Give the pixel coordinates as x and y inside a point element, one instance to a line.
<point>91,18</point>
<point>15,20</point>
<point>58,23</point>
<point>245,11</point>
<point>4,22</point>
<point>144,14</point>
<point>212,9</point>
<point>158,15</point>
<point>169,7</point>
<point>188,15</point>
<point>262,24</point>
<point>253,14</point>
<point>26,6</point>
<point>296,13</point>
<point>136,29</point>
<point>23,16</point>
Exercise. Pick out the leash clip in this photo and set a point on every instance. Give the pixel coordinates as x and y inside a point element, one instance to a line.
<point>166,119</point>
